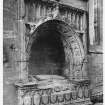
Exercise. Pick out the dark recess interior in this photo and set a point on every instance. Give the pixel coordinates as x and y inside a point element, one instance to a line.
<point>47,54</point>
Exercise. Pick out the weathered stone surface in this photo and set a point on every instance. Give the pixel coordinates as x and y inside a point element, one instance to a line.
<point>95,67</point>
<point>98,104</point>
<point>10,71</point>
<point>54,92</point>
<point>95,73</point>
<point>12,47</point>
<point>81,4</point>
<point>73,49</point>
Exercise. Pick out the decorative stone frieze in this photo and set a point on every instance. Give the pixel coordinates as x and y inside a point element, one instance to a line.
<point>74,93</point>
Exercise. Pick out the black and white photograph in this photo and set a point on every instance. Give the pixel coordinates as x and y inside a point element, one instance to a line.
<point>52,52</point>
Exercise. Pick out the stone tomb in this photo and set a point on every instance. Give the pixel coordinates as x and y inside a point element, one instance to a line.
<point>64,84</point>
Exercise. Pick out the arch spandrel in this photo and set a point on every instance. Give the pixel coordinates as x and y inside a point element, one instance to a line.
<point>73,48</point>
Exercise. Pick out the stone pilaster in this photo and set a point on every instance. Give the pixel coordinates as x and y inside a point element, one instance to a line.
<point>21,40</point>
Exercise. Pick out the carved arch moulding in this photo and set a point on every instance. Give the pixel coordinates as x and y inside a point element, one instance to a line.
<point>73,48</point>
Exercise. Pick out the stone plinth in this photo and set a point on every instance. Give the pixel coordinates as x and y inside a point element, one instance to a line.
<point>53,91</point>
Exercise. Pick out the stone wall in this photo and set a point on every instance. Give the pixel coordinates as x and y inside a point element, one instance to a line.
<point>95,72</point>
<point>10,72</point>
<point>10,55</point>
<point>10,48</point>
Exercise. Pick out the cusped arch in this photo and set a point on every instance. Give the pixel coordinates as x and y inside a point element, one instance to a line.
<point>73,48</point>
